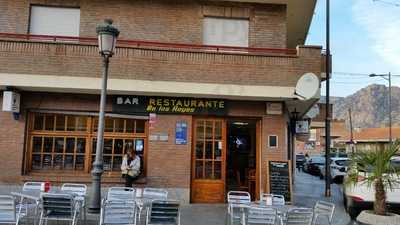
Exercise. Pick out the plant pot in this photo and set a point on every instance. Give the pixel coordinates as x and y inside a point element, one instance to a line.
<point>367,217</point>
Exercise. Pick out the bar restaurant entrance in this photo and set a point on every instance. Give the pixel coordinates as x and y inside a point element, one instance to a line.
<point>224,158</point>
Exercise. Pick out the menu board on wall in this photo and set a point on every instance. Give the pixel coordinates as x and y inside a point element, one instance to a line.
<point>280,178</point>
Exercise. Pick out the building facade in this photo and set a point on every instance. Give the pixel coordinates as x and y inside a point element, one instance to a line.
<point>314,142</point>
<point>202,90</point>
<point>369,139</point>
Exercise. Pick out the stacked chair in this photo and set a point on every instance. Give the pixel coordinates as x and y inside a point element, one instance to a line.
<point>8,214</point>
<point>163,212</point>
<point>59,207</point>
<point>79,190</point>
<point>261,216</point>
<point>237,202</point>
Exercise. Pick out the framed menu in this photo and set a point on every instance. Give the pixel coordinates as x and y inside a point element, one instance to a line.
<point>279,180</point>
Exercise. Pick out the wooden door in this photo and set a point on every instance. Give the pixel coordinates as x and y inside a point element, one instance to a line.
<point>208,161</point>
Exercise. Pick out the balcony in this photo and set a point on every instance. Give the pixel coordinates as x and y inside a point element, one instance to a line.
<point>70,64</point>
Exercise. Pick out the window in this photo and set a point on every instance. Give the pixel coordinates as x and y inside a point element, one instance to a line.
<point>54,21</point>
<point>227,32</point>
<point>68,142</point>
<point>272,141</point>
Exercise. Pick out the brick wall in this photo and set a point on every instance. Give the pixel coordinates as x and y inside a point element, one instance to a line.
<point>11,145</point>
<point>272,125</point>
<point>165,21</point>
<point>168,164</point>
<point>159,65</point>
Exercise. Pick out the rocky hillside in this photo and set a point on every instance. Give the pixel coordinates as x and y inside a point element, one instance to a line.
<point>369,106</point>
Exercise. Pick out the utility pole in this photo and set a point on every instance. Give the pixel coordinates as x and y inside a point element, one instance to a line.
<point>327,108</point>
<point>390,108</point>
<point>351,133</point>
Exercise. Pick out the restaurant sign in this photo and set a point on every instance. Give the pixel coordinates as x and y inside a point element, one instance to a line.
<point>168,105</point>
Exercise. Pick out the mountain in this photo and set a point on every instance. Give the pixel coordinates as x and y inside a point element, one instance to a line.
<point>369,107</point>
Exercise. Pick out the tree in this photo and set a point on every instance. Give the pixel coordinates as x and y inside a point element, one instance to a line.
<point>378,172</point>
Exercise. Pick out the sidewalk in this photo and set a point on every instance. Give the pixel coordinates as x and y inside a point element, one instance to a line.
<point>308,189</point>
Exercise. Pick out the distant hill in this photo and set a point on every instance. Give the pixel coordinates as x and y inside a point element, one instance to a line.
<point>369,107</point>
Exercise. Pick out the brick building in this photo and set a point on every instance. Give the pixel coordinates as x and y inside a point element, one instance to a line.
<point>203,90</point>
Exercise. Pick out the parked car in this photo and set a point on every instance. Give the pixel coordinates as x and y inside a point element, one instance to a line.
<point>300,160</point>
<point>313,165</point>
<point>361,196</point>
<point>338,169</point>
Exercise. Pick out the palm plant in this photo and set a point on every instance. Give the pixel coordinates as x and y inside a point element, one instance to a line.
<point>379,172</point>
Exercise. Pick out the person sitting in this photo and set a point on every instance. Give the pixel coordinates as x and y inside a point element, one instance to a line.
<point>130,167</point>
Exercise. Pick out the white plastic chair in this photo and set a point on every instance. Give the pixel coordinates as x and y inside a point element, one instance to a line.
<point>118,212</point>
<point>32,186</point>
<point>299,216</point>
<point>25,205</point>
<point>324,209</point>
<point>237,202</point>
<point>261,216</point>
<point>8,214</point>
<point>276,199</point>
<point>80,191</point>
<point>121,193</point>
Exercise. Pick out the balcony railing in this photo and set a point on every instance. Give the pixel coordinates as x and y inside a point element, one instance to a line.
<point>150,44</point>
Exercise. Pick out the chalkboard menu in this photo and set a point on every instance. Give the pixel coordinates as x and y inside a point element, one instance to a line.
<point>280,179</point>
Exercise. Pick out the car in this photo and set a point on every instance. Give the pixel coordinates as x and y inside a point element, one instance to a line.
<point>313,165</point>
<point>338,169</point>
<point>361,196</point>
<point>300,160</point>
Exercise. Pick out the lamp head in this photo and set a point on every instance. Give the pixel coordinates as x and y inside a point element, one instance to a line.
<point>107,36</point>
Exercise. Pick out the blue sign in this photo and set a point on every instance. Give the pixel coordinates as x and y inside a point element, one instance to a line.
<point>181,133</point>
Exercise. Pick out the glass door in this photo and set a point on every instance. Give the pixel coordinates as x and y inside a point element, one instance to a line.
<point>208,161</point>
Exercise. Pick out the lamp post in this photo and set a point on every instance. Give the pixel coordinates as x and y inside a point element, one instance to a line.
<point>327,108</point>
<point>387,77</point>
<point>107,37</point>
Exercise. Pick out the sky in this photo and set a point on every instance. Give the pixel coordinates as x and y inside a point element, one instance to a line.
<point>365,39</point>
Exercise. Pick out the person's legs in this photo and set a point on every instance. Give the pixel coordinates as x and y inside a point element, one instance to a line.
<point>128,181</point>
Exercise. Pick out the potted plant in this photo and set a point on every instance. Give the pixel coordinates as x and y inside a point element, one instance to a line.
<point>378,174</point>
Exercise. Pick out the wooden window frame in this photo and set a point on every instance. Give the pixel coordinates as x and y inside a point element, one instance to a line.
<point>88,134</point>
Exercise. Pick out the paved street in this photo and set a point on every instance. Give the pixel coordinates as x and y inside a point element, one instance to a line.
<point>308,190</point>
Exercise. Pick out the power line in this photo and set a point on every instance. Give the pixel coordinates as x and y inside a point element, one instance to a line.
<point>388,3</point>
<point>351,74</point>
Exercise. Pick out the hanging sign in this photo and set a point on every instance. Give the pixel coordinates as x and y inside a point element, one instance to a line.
<point>181,133</point>
<point>302,127</point>
<point>168,105</point>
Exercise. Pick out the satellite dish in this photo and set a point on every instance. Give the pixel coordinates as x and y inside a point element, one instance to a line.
<point>313,112</point>
<point>307,86</point>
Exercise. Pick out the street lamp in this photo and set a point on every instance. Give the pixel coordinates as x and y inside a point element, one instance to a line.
<point>387,77</point>
<point>327,107</point>
<point>107,37</point>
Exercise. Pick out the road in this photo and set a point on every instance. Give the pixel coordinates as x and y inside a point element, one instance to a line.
<point>309,189</point>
